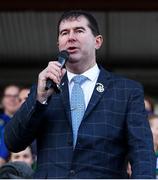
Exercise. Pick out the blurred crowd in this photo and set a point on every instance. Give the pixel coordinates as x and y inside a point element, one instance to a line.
<point>14,165</point>
<point>22,164</point>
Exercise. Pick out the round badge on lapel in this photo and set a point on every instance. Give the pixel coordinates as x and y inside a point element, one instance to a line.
<point>100,87</point>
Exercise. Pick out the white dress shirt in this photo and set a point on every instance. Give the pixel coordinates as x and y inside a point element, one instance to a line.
<point>88,86</point>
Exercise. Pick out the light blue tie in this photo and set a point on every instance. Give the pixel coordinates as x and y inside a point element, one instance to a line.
<point>77,105</point>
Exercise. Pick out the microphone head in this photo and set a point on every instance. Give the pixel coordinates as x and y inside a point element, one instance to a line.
<point>64,54</point>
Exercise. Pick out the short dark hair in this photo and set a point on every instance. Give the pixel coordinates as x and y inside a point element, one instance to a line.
<point>93,25</point>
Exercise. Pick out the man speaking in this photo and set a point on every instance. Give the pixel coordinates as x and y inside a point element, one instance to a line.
<point>94,123</point>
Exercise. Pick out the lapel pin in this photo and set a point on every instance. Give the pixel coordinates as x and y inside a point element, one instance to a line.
<point>62,84</point>
<point>100,87</point>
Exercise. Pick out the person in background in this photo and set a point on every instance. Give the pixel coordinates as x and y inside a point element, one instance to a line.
<point>97,119</point>
<point>23,95</point>
<point>10,100</point>
<point>153,121</point>
<point>149,105</point>
<point>24,156</point>
<point>10,103</point>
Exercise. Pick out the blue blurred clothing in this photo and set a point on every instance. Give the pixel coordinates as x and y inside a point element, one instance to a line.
<point>4,119</point>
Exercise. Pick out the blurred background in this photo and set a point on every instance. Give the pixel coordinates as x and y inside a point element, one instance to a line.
<point>129,27</point>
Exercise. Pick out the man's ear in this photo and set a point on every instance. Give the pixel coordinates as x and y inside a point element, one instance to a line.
<point>98,41</point>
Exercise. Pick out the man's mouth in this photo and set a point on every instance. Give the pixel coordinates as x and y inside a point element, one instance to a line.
<point>72,49</point>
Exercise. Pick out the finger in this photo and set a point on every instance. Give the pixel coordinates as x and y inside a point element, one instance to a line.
<point>57,73</point>
<point>54,72</point>
<point>54,63</point>
<point>54,67</point>
<point>53,77</point>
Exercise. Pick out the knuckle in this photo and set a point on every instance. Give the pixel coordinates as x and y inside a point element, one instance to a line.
<point>50,62</point>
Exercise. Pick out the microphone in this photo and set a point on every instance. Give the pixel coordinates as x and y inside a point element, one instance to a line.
<point>62,57</point>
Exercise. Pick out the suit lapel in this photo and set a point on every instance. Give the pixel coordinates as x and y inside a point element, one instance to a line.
<point>99,89</point>
<point>65,97</point>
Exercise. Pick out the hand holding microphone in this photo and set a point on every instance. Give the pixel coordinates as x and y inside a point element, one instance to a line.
<point>49,79</point>
<point>61,58</point>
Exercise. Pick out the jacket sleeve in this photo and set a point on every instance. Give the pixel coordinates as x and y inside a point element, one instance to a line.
<point>26,124</point>
<point>140,141</point>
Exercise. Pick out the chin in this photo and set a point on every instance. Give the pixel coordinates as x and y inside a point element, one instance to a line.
<point>74,58</point>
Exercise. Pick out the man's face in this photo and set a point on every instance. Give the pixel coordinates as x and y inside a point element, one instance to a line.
<point>76,37</point>
<point>11,100</point>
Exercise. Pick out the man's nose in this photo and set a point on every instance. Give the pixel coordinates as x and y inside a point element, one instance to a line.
<point>72,36</point>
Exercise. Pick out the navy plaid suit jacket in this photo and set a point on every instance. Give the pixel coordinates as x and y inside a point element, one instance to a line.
<point>114,126</point>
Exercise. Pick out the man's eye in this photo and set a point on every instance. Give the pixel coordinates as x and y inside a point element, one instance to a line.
<point>79,31</point>
<point>64,33</point>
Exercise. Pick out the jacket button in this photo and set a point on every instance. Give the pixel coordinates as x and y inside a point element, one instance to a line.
<point>78,143</point>
<point>72,172</point>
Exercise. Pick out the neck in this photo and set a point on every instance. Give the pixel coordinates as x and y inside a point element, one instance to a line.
<point>77,68</point>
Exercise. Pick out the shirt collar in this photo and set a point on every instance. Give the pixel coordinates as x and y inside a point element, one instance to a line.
<point>91,73</point>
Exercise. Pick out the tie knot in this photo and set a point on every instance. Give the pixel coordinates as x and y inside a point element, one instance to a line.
<point>79,79</point>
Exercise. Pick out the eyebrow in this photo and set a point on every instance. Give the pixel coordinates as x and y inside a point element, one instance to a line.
<point>76,28</point>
